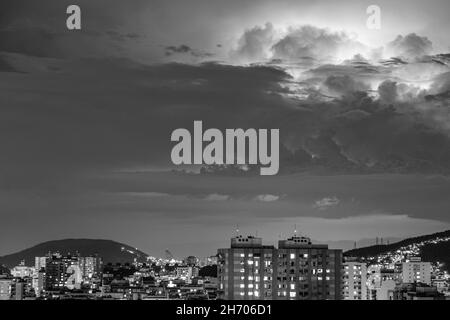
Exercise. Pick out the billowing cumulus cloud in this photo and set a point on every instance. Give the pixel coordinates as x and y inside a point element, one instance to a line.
<point>388,91</point>
<point>301,43</point>
<point>410,46</point>
<point>317,43</point>
<point>254,44</point>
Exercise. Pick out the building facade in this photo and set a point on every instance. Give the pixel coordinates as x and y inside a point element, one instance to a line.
<point>296,270</point>
<point>416,271</point>
<point>91,267</point>
<point>354,281</point>
<point>5,288</point>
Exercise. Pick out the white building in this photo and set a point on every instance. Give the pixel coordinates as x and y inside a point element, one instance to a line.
<point>38,283</point>
<point>187,273</point>
<point>40,262</point>
<point>5,289</point>
<point>385,292</point>
<point>354,281</point>
<point>415,270</point>
<point>22,271</point>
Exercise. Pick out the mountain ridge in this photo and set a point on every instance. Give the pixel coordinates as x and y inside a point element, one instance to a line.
<point>433,247</point>
<point>108,250</point>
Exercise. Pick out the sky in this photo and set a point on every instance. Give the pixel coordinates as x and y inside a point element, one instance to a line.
<point>86,118</point>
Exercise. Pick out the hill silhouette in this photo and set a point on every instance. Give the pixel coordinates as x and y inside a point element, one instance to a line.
<point>431,249</point>
<point>108,250</point>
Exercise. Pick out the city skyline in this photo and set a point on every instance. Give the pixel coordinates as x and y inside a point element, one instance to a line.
<point>246,269</point>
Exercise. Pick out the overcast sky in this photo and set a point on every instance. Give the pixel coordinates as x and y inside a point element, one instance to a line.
<point>86,117</point>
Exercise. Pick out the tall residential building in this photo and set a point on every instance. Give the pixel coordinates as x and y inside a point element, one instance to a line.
<point>39,263</point>
<point>416,271</point>
<point>19,292</point>
<point>373,281</point>
<point>91,267</point>
<point>38,282</point>
<point>247,270</point>
<point>296,270</point>
<point>354,281</point>
<point>5,288</point>
<point>56,271</point>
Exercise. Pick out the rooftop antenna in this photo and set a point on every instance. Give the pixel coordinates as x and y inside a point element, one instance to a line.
<point>237,229</point>
<point>295,230</point>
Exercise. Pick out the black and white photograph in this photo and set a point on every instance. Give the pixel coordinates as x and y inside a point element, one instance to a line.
<point>242,151</point>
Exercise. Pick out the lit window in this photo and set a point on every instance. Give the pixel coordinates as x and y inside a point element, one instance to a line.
<point>292,255</point>
<point>292,286</point>
<point>292,294</point>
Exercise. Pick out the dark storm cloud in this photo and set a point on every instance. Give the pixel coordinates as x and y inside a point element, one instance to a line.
<point>441,84</point>
<point>388,91</point>
<point>34,41</point>
<point>344,84</point>
<point>5,66</point>
<point>350,133</point>
<point>122,36</point>
<point>92,114</point>
<point>84,126</point>
<point>185,49</point>
<point>180,49</point>
<point>39,28</point>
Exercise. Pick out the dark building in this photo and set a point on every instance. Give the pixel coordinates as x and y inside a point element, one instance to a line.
<point>56,271</point>
<point>246,270</point>
<point>296,270</point>
<point>416,291</point>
